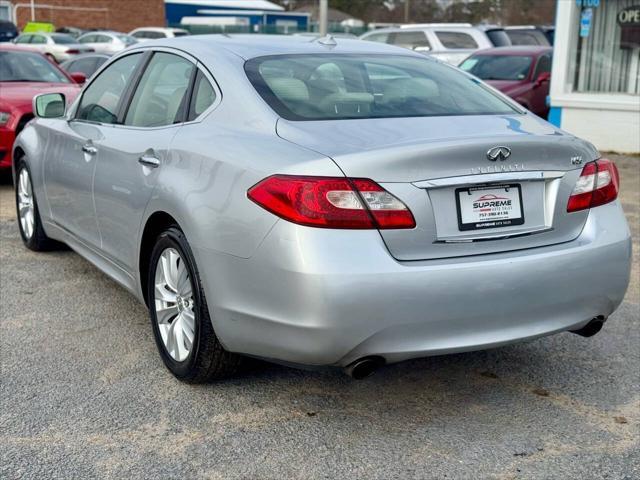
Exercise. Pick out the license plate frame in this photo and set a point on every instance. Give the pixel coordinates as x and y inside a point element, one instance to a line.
<point>499,221</point>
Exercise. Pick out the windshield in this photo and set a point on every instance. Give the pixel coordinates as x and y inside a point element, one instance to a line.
<point>498,67</point>
<point>63,39</point>
<point>28,67</point>
<point>323,87</point>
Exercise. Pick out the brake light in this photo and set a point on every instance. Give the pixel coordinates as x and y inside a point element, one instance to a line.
<point>598,184</point>
<point>331,202</point>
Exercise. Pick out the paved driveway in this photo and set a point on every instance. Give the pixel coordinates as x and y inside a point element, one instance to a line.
<point>84,394</point>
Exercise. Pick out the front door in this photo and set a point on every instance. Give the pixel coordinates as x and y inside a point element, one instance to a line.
<point>71,167</point>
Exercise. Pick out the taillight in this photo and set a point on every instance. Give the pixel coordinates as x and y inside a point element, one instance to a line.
<point>598,184</point>
<point>331,202</point>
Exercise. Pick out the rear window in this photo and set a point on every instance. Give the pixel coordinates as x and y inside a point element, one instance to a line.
<point>456,40</point>
<point>498,67</point>
<point>527,37</point>
<point>324,87</point>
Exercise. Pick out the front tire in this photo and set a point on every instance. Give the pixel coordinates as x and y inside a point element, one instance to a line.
<point>29,222</point>
<point>179,314</point>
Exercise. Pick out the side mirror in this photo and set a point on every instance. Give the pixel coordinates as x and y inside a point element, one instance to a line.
<point>78,77</point>
<point>49,105</point>
<point>542,78</point>
<point>422,49</point>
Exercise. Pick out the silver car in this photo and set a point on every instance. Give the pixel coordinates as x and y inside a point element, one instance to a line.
<point>323,202</point>
<point>106,41</point>
<point>58,47</point>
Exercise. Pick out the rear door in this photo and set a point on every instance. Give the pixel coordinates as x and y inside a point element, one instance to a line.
<point>133,153</point>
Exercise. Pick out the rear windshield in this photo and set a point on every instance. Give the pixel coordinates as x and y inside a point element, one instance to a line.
<point>498,67</point>
<point>63,39</point>
<point>328,86</point>
<point>18,66</point>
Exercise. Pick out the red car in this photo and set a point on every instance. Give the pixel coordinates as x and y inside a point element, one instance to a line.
<point>523,73</point>
<point>23,75</point>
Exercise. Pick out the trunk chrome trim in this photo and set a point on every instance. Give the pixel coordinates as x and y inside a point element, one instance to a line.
<point>489,178</point>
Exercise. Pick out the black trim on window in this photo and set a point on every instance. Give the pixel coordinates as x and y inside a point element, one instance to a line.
<point>127,95</point>
<point>186,106</point>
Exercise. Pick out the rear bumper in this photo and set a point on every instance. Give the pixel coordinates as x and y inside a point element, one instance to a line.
<point>328,297</point>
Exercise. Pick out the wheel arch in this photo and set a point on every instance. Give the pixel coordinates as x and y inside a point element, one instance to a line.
<point>156,223</point>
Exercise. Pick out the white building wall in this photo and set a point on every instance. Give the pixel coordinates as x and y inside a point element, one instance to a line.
<point>611,121</point>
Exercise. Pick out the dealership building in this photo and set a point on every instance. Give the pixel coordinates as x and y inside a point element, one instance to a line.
<point>119,15</point>
<point>595,87</point>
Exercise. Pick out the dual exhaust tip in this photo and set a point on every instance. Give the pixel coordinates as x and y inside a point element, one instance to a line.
<point>367,366</point>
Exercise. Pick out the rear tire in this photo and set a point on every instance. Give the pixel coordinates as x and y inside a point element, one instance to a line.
<point>179,314</point>
<point>29,222</point>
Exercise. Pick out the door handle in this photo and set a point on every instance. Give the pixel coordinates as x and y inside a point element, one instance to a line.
<point>89,149</point>
<point>149,161</point>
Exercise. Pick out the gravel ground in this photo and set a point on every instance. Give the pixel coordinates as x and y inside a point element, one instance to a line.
<point>84,395</point>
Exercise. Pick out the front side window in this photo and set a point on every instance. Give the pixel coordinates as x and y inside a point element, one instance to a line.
<point>543,66</point>
<point>38,39</point>
<point>28,67</point>
<point>371,86</point>
<point>455,40</point>
<point>411,40</point>
<point>498,67</point>
<point>101,99</point>
<point>161,96</point>
<point>23,39</point>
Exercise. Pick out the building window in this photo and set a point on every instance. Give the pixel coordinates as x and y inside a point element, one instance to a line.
<point>606,49</point>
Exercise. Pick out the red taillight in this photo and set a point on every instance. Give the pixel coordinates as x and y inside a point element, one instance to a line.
<point>598,184</point>
<point>331,202</point>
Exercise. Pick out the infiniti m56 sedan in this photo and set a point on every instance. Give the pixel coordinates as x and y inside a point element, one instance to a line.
<point>322,203</point>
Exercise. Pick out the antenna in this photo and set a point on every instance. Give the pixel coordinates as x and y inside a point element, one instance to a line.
<point>327,40</point>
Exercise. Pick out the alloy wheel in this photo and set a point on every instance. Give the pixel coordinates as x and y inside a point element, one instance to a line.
<point>174,304</point>
<point>26,210</point>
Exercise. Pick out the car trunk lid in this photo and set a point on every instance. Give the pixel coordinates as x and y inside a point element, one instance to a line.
<point>439,167</point>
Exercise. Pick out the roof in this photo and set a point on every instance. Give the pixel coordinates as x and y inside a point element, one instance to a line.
<point>254,45</point>
<point>230,4</point>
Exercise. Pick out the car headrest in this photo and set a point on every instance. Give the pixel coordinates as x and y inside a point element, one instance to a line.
<point>404,89</point>
<point>288,89</point>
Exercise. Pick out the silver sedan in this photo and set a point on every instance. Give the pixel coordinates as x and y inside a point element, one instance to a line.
<point>321,203</point>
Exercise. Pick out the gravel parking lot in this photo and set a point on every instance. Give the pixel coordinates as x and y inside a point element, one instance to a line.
<point>84,395</point>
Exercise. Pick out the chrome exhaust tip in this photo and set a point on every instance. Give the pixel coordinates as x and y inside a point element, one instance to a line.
<point>364,367</point>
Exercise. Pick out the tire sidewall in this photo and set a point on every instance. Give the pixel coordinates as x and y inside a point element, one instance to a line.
<point>174,238</point>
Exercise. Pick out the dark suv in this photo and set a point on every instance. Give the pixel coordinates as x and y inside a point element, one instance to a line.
<point>8,31</point>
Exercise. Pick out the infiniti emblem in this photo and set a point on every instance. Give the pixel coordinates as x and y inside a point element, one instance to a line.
<point>499,153</point>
